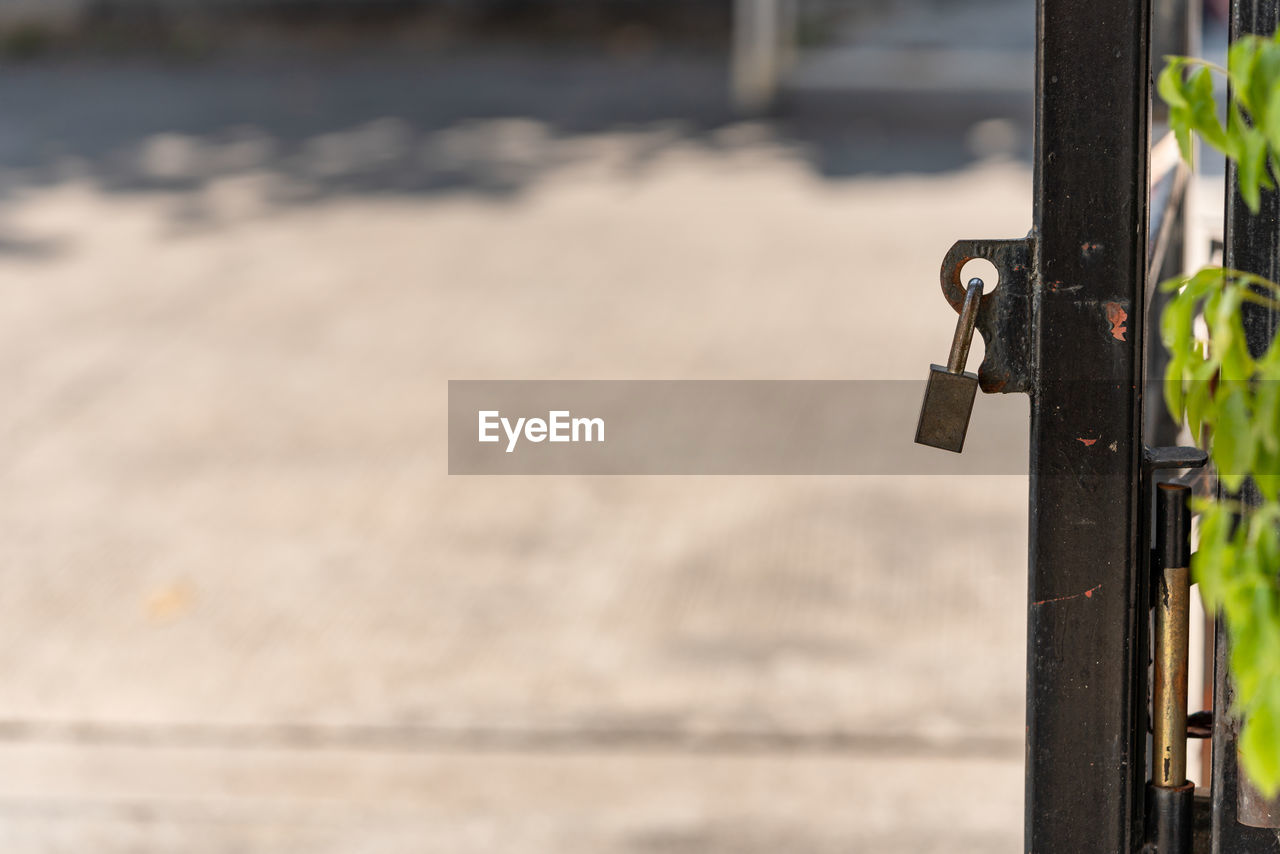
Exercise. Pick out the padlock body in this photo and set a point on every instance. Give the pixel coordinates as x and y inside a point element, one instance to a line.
<point>948,403</point>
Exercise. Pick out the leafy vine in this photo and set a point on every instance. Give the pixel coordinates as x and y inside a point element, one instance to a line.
<point>1223,391</point>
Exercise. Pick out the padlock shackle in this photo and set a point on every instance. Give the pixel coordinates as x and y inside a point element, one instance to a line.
<point>964,328</point>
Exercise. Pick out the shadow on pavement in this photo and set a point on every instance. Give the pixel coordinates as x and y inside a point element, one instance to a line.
<point>492,122</point>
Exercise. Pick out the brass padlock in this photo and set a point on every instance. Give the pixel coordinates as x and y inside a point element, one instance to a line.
<point>948,398</point>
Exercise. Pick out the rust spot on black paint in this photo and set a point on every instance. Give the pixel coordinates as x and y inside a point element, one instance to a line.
<point>1116,316</point>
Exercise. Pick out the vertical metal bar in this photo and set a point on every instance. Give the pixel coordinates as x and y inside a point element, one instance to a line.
<point>1086,669</point>
<point>1170,797</point>
<point>1252,243</point>
<point>1172,613</point>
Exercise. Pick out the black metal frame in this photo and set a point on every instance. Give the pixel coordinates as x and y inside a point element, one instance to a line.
<point>1067,325</point>
<point>1086,667</point>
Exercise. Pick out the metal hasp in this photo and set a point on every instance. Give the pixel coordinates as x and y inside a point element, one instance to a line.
<point>1244,821</point>
<point>1170,795</point>
<point>1004,314</point>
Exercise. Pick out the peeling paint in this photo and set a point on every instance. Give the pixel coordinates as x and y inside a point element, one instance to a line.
<point>1116,316</point>
<point>1088,443</point>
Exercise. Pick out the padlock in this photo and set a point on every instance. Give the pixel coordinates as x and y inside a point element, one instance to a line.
<point>948,398</point>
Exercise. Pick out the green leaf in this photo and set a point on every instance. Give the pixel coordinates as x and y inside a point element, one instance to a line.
<point>1230,343</point>
<point>1260,744</point>
<point>1177,333</point>
<point>1169,85</point>
<point>1201,404</point>
<point>1175,399</point>
<point>1242,59</point>
<point>1263,77</point>
<point>1267,545</point>
<point>1206,562</point>
<point>1206,282</point>
<point>1246,645</point>
<point>1266,417</point>
<point>1251,164</point>
<point>1204,110</point>
<point>1269,121</point>
<point>1233,448</point>
<point>1176,328</point>
<point>1266,471</point>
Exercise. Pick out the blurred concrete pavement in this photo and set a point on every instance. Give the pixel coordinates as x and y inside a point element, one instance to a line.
<point>245,609</point>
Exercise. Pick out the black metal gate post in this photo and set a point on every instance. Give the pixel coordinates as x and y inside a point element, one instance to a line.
<point>1086,676</point>
<point>1065,324</point>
